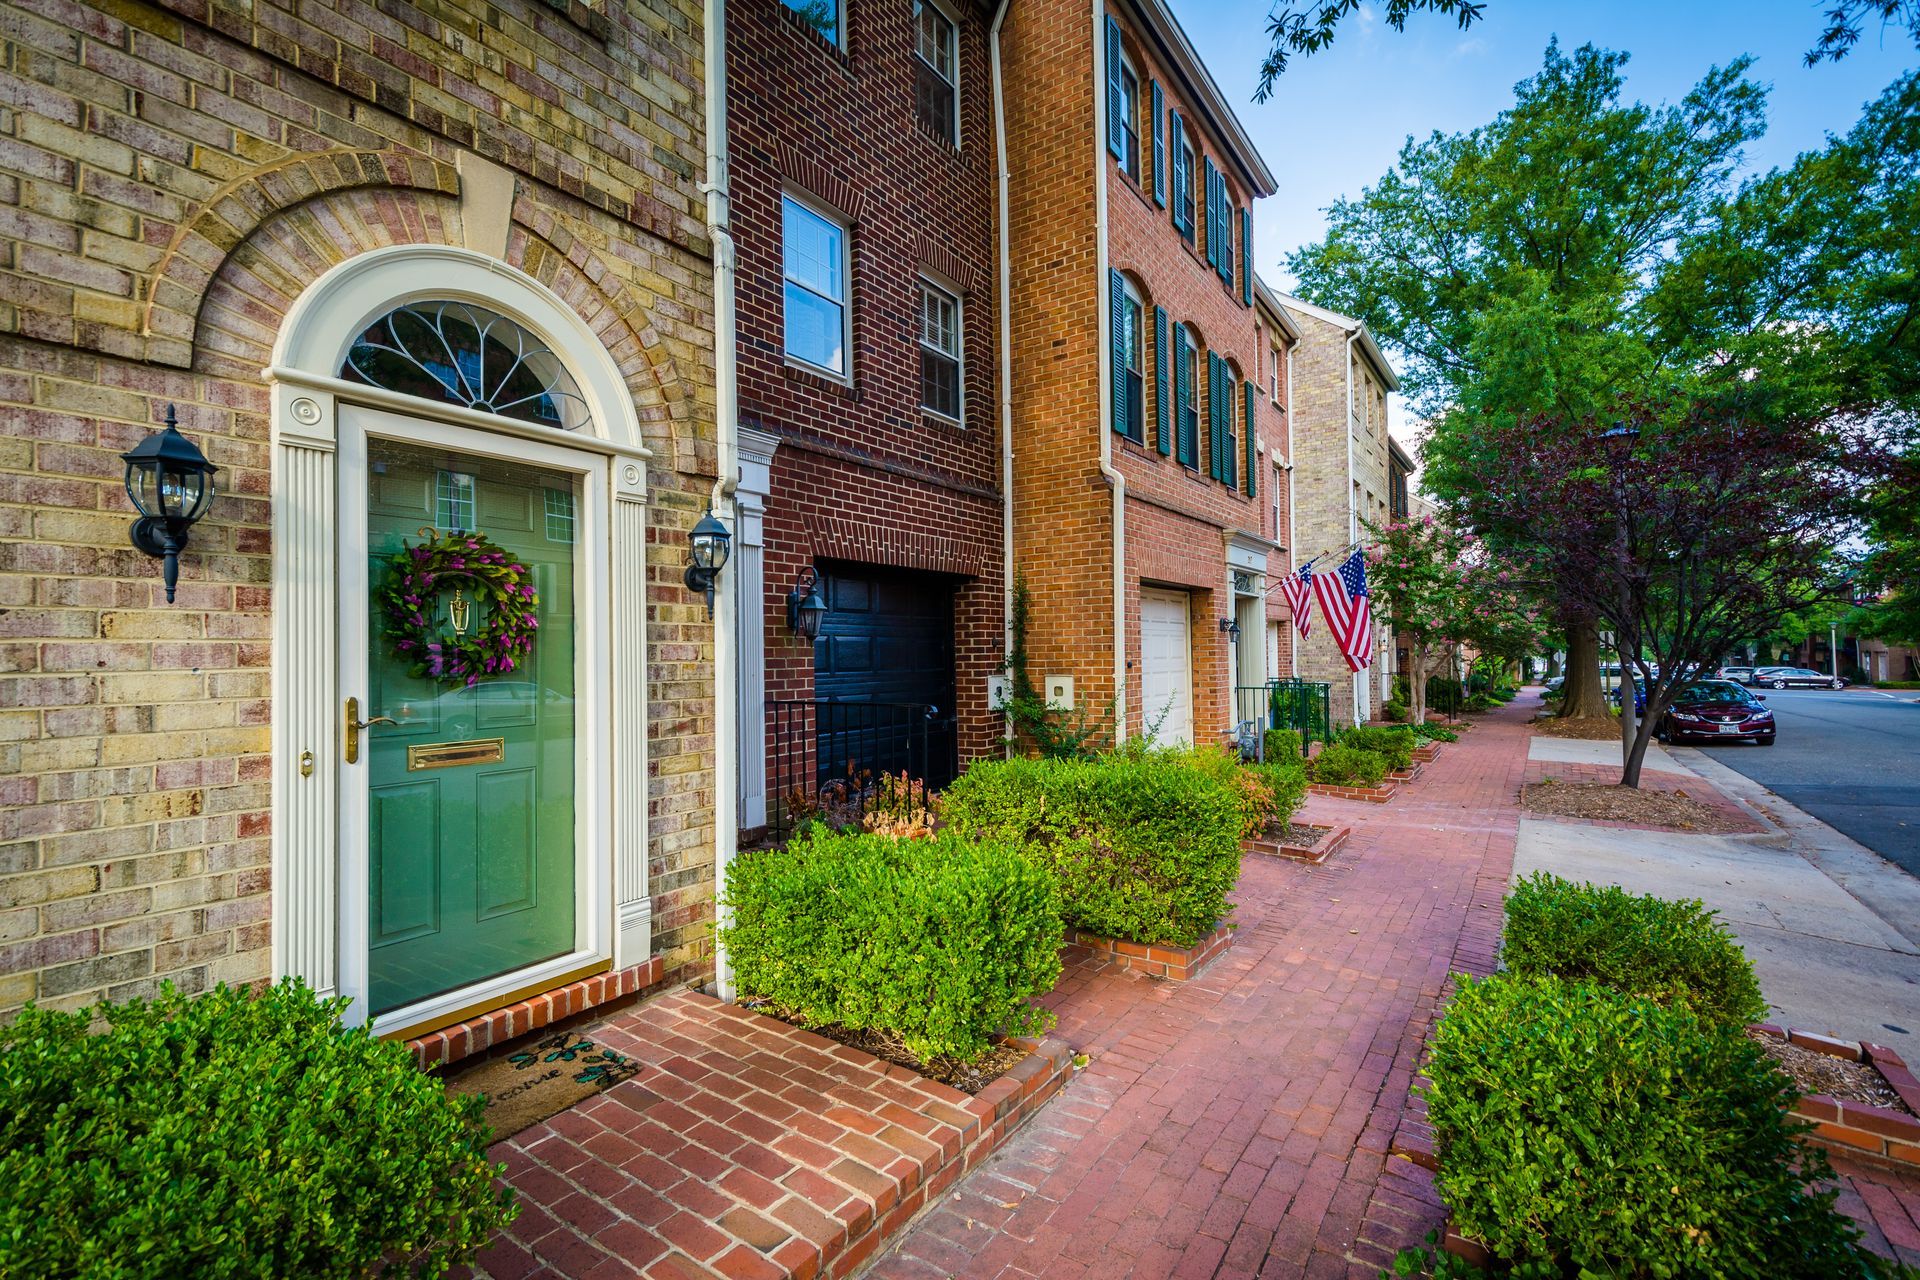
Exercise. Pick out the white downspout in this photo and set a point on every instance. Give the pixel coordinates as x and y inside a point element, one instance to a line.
<point>1104,294</point>
<point>726,689</point>
<point>1353,507</point>
<point>1004,342</point>
<point>1293,543</point>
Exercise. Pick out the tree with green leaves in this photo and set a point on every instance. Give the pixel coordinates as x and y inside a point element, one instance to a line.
<point>1890,574</point>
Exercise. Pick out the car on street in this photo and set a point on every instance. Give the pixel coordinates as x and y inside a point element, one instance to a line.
<point>1795,678</point>
<point>1718,709</point>
<point>1554,683</point>
<point>1739,675</point>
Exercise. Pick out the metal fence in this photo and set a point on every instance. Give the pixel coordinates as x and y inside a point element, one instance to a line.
<point>825,755</point>
<point>1301,705</point>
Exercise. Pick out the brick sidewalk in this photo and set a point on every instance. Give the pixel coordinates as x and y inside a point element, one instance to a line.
<point>1238,1125</point>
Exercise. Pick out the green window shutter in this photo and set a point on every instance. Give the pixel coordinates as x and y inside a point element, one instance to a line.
<point>1229,452</point>
<point>1159,146</point>
<point>1182,172</point>
<point>1117,320</point>
<point>1213,414</point>
<point>1160,387</point>
<point>1250,447</point>
<point>1182,393</point>
<point>1209,218</point>
<point>1116,98</point>
<point>1246,257</point>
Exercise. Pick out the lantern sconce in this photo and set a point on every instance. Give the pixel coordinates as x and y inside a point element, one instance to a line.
<point>805,606</point>
<point>170,483</point>
<point>1231,627</point>
<point>709,546</point>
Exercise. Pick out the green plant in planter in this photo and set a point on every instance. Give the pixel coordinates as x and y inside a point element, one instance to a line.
<point>1656,947</point>
<point>233,1135</point>
<point>1585,1132</point>
<point>1395,711</point>
<point>1286,784</point>
<point>1340,765</point>
<point>1395,743</point>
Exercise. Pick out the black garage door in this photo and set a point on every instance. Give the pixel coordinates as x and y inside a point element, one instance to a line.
<point>885,652</point>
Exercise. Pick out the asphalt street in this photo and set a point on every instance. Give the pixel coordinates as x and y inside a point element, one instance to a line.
<point>1851,758</point>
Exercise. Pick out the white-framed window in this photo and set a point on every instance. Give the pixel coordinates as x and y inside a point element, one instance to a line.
<point>1273,374</point>
<point>936,71</point>
<point>1133,347</point>
<point>823,16</point>
<point>814,262</point>
<point>1129,120</point>
<point>940,351</point>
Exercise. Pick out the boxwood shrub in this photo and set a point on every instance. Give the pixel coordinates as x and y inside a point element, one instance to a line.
<point>1286,783</point>
<point>1144,845</point>
<point>1339,765</point>
<point>1283,744</point>
<point>940,941</point>
<point>1393,742</point>
<point>232,1135</point>
<point>1664,949</point>
<point>1584,1131</point>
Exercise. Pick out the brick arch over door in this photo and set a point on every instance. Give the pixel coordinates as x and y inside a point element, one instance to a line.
<point>249,296</point>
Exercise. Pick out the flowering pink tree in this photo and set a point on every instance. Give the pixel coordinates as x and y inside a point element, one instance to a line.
<point>1416,570</point>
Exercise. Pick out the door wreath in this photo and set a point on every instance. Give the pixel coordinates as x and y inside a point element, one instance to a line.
<point>417,574</point>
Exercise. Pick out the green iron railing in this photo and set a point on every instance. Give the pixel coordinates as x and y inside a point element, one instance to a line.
<point>1301,705</point>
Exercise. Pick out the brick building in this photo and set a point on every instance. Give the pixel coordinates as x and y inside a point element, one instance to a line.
<point>862,176</point>
<point>1277,336</point>
<point>1344,477</point>
<point>1143,461</point>
<point>401,271</point>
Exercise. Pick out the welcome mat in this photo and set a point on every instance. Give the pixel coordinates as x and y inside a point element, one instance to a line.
<point>541,1080</point>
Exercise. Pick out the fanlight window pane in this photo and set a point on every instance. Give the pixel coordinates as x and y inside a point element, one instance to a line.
<point>461,354</point>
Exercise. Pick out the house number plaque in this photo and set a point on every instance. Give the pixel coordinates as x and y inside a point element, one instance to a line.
<point>450,755</point>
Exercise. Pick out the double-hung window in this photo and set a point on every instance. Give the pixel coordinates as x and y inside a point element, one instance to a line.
<point>939,351</point>
<point>1129,122</point>
<point>814,259</point>
<point>936,72</point>
<point>1186,365</point>
<point>1133,351</point>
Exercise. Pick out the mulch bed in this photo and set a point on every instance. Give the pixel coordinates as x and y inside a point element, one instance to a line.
<point>1301,835</point>
<point>1815,1072</point>
<point>1645,807</point>
<point>967,1077</point>
<point>1587,728</point>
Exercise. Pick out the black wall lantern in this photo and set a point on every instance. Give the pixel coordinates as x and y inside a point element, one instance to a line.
<point>805,607</point>
<point>1231,627</point>
<point>170,483</point>
<point>710,544</point>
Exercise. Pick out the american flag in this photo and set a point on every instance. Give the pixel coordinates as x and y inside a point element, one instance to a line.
<point>1343,598</point>
<point>1299,593</point>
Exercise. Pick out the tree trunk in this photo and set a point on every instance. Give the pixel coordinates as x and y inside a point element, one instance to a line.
<point>1417,685</point>
<point>1581,697</point>
<point>1553,663</point>
<point>1629,738</point>
<point>1637,751</point>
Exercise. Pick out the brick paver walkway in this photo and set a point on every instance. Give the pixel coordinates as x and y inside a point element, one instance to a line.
<point>1238,1125</point>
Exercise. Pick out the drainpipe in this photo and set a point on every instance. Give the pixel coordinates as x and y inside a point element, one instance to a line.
<point>1353,507</point>
<point>1117,481</point>
<point>1293,543</point>
<point>1004,343</point>
<point>726,607</point>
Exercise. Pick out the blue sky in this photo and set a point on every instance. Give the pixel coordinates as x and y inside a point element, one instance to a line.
<point>1337,120</point>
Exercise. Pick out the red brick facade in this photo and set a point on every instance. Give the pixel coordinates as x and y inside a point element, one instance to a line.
<point>862,475</point>
<point>1178,520</point>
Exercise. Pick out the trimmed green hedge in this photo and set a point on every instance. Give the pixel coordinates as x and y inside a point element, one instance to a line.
<point>1283,745</point>
<point>1395,710</point>
<point>1145,845</point>
<point>1286,784</point>
<point>232,1135</point>
<point>1395,743</point>
<point>1339,765</point>
<point>1586,1132</point>
<point>941,941</point>
<point>1665,950</point>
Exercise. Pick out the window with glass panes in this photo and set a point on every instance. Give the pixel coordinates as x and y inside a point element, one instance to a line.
<point>814,257</point>
<point>1133,344</point>
<point>939,351</point>
<point>936,73</point>
<point>1129,122</point>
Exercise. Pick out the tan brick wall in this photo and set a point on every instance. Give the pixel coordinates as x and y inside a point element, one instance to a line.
<point>171,177</point>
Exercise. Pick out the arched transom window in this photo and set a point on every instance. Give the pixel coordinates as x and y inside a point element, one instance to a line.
<point>462,354</point>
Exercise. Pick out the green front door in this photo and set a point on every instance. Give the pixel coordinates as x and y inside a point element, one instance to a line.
<point>472,792</point>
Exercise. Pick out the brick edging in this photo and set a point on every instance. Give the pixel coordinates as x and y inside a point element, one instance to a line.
<point>1321,850</point>
<point>1176,964</point>
<point>1371,795</point>
<point>477,1035</point>
<point>1858,1128</point>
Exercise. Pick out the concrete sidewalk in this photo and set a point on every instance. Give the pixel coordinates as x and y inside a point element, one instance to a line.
<point>1831,927</point>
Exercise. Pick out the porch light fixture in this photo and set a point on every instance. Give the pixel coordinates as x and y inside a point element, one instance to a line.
<point>170,483</point>
<point>1231,627</point>
<point>805,606</point>
<point>709,546</point>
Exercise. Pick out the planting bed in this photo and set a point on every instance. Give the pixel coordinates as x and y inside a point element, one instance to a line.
<point>1850,1125</point>
<point>1176,964</point>
<point>1371,795</point>
<point>1302,841</point>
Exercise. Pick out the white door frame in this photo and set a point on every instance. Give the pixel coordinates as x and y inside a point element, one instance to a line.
<point>316,836</point>
<point>593,746</point>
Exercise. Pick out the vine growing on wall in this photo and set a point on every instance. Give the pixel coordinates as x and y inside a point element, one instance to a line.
<point>1055,734</point>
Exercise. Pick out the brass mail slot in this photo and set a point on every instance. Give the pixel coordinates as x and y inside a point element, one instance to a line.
<point>447,755</point>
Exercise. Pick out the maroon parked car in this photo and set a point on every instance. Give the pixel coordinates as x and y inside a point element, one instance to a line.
<point>1717,709</point>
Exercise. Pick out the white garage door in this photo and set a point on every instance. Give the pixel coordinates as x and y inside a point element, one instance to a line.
<point>1166,667</point>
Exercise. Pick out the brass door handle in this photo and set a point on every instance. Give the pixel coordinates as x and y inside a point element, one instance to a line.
<point>354,724</point>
